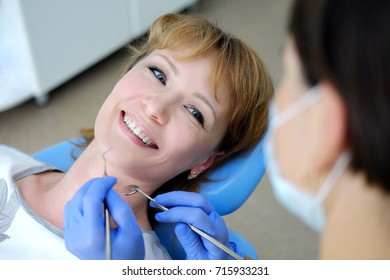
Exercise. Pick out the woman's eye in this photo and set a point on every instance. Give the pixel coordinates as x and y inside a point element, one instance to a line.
<point>160,75</point>
<point>196,114</point>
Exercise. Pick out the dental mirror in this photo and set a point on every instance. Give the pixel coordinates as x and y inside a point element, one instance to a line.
<point>128,190</point>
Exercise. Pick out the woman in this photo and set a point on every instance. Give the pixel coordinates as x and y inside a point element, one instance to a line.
<point>177,113</point>
<point>327,150</point>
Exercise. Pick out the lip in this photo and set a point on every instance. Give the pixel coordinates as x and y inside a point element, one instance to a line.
<point>135,139</point>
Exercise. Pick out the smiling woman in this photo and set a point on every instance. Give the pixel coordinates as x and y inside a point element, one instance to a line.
<point>177,41</point>
<point>182,108</point>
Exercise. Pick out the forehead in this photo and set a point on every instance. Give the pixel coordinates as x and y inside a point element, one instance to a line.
<point>184,56</point>
<point>209,60</point>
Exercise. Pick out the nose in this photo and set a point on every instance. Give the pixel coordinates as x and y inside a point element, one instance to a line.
<point>158,108</point>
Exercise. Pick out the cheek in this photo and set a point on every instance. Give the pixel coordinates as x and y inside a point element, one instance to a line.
<point>290,138</point>
<point>102,116</point>
<point>187,149</point>
<point>290,149</point>
<point>296,149</point>
<point>129,85</point>
<point>125,86</point>
<point>191,150</point>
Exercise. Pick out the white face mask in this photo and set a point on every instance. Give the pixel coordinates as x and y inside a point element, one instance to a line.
<point>308,207</point>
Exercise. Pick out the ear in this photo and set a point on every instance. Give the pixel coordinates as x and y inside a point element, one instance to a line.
<point>207,163</point>
<point>332,126</point>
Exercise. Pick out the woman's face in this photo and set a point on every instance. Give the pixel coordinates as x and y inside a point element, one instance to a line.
<point>162,117</point>
<point>297,142</point>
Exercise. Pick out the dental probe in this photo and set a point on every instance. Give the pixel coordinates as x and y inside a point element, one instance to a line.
<point>107,245</point>
<point>211,239</point>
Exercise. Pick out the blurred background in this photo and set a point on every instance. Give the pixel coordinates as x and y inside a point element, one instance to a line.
<point>60,59</point>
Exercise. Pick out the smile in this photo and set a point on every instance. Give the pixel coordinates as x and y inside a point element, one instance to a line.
<point>138,132</point>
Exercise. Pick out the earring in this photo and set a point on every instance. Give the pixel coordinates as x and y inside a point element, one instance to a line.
<point>192,175</point>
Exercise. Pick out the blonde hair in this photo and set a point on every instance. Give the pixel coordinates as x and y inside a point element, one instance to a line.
<point>251,88</point>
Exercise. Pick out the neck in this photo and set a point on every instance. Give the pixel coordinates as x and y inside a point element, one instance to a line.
<point>358,220</point>
<point>91,165</point>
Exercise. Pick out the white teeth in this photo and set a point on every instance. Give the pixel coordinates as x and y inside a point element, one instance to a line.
<point>137,131</point>
<point>131,125</point>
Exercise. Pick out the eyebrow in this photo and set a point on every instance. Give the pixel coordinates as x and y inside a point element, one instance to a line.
<point>170,63</point>
<point>205,100</point>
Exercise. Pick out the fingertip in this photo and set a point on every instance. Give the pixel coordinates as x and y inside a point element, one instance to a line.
<point>158,217</point>
<point>121,212</point>
<point>153,205</point>
<point>111,180</point>
<point>158,197</point>
<point>114,200</point>
<point>167,195</point>
<point>163,217</point>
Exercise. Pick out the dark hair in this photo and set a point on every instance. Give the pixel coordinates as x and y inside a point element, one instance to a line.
<point>348,43</point>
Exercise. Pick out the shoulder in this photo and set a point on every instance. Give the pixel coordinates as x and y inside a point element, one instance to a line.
<point>16,164</point>
<point>10,154</point>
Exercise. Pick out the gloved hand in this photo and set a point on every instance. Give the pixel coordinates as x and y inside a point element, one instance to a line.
<point>84,227</point>
<point>193,208</point>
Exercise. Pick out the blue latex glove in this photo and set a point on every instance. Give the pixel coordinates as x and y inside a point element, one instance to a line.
<point>84,228</point>
<point>193,208</point>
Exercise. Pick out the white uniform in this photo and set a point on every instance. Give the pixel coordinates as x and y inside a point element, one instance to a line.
<point>26,235</point>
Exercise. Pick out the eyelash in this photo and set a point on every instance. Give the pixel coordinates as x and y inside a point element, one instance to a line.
<point>196,114</point>
<point>162,78</point>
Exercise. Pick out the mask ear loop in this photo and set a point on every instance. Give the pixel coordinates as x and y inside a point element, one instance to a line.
<point>310,97</point>
<point>339,167</point>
